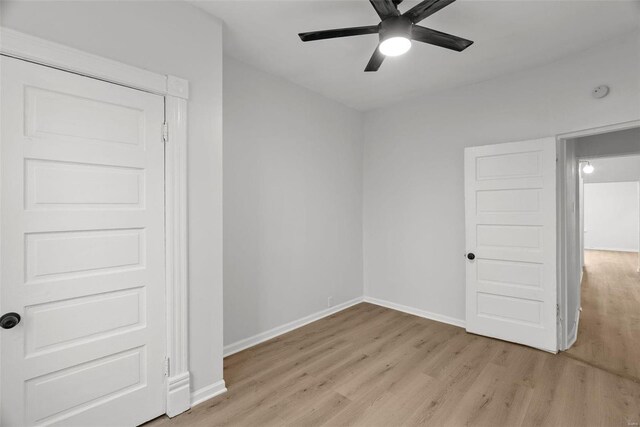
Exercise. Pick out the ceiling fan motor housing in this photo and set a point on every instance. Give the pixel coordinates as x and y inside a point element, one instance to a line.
<point>395,26</point>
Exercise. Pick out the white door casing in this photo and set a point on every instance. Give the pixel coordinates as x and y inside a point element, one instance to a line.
<point>82,249</point>
<point>510,210</point>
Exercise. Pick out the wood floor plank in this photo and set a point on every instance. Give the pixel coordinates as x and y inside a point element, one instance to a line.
<point>546,392</point>
<point>399,403</point>
<point>493,399</point>
<point>440,402</point>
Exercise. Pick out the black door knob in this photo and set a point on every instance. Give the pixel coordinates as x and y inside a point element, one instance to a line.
<point>471,256</point>
<point>9,320</point>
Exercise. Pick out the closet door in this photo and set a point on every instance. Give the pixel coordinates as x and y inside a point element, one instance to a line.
<point>82,252</point>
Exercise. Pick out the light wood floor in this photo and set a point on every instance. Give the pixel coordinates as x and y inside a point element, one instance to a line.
<point>609,331</point>
<point>372,366</point>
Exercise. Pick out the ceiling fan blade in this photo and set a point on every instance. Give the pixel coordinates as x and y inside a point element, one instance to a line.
<point>437,38</point>
<point>376,61</point>
<point>428,7</point>
<point>338,32</point>
<point>385,8</point>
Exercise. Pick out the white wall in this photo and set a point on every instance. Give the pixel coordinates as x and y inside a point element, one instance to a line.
<point>611,216</point>
<point>614,169</point>
<point>413,163</point>
<point>292,202</point>
<point>610,197</point>
<point>609,144</point>
<point>169,38</point>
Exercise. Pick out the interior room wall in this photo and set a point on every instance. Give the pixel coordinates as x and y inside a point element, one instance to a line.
<point>611,216</point>
<point>609,169</point>
<point>614,169</point>
<point>292,203</point>
<point>169,38</point>
<point>619,143</point>
<point>414,237</point>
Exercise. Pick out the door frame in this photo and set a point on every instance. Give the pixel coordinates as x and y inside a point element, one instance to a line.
<point>175,92</point>
<point>567,172</point>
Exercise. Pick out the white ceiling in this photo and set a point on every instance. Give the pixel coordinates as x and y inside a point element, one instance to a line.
<point>509,36</point>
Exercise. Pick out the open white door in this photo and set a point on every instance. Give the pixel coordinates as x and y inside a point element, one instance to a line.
<point>510,204</point>
<point>82,250</point>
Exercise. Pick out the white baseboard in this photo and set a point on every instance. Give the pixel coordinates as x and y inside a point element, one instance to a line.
<point>612,249</point>
<point>279,330</point>
<point>417,312</point>
<point>208,392</point>
<point>178,395</point>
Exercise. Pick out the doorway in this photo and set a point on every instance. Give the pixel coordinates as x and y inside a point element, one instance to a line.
<point>602,237</point>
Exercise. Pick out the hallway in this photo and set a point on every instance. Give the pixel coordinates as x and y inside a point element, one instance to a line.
<point>609,329</point>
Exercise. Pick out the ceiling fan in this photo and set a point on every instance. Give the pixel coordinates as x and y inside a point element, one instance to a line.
<point>396,30</point>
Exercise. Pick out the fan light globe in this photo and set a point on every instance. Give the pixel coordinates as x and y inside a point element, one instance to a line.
<point>588,168</point>
<point>395,46</point>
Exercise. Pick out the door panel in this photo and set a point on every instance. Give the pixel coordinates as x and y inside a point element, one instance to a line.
<point>43,396</point>
<point>510,203</point>
<point>48,329</point>
<point>53,115</point>
<point>82,251</point>
<point>64,185</point>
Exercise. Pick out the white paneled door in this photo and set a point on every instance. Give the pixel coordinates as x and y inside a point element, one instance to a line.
<point>82,250</point>
<point>510,202</point>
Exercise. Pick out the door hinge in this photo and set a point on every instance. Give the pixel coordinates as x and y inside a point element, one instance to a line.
<point>167,367</point>
<point>165,132</point>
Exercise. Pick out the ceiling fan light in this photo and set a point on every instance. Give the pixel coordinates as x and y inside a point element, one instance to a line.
<point>395,46</point>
